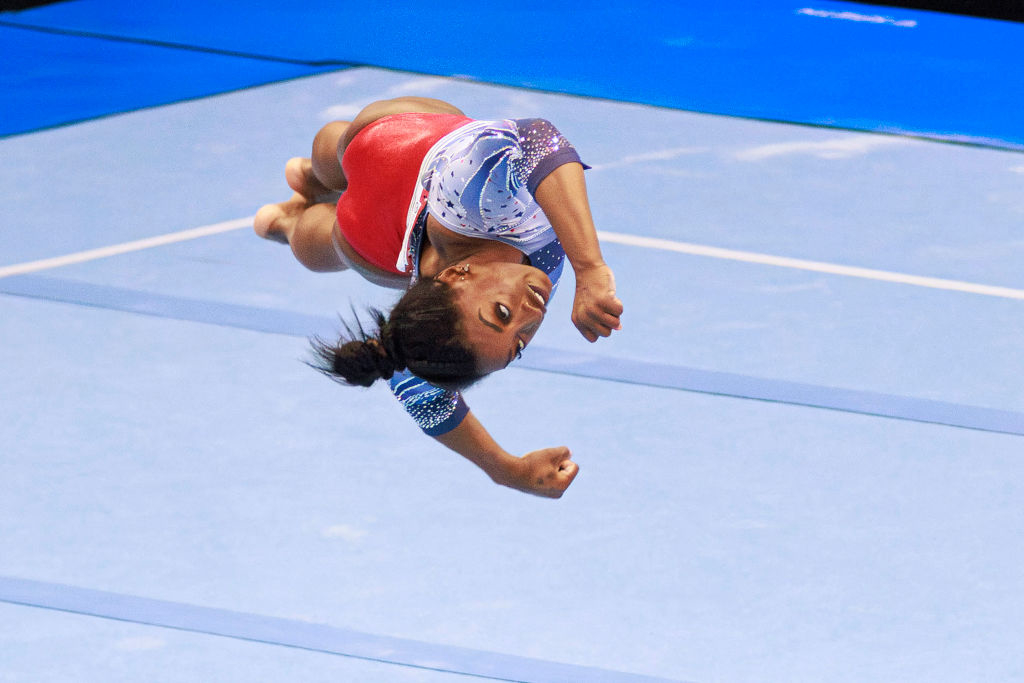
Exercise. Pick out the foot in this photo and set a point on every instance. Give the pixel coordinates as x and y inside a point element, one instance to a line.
<point>276,221</point>
<point>299,174</point>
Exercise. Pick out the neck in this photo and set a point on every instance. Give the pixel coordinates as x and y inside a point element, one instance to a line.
<point>443,248</point>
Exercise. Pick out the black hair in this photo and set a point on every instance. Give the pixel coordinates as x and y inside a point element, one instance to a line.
<point>420,334</point>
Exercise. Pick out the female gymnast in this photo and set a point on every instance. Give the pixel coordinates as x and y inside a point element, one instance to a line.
<point>474,220</point>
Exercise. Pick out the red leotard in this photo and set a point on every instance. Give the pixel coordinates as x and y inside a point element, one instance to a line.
<point>382,165</point>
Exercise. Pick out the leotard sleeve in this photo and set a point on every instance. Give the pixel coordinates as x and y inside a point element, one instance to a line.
<point>436,411</point>
<point>544,149</point>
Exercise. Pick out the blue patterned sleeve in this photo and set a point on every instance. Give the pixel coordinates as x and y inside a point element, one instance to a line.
<point>436,411</point>
<point>544,150</point>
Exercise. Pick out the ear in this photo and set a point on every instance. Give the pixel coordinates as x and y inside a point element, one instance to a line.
<point>451,274</point>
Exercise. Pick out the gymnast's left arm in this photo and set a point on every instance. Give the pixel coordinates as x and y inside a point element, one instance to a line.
<point>444,415</point>
<point>547,472</point>
<point>562,194</point>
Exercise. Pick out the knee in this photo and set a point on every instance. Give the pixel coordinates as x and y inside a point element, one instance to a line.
<point>325,144</point>
<point>326,158</point>
<point>312,240</point>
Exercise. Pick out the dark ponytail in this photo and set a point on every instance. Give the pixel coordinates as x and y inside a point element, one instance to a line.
<point>421,335</point>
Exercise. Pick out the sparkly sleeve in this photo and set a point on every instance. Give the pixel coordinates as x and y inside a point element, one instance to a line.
<point>544,150</point>
<point>436,411</point>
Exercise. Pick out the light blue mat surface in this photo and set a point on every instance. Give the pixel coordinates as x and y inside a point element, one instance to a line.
<point>708,538</point>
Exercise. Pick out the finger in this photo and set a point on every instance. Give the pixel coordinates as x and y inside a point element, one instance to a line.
<point>568,473</point>
<point>599,330</point>
<point>584,329</point>
<point>601,319</point>
<point>558,487</point>
<point>613,306</point>
<point>558,455</point>
<point>608,301</point>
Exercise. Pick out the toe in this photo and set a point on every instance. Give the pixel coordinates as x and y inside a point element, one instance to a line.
<point>295,173</point>
<point>264,224</point>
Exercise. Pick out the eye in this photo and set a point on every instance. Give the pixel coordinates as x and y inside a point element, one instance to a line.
<point>503,312</point>
<point>520,345</point>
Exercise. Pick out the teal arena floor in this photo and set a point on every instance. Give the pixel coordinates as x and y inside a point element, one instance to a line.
<point>801,458</point>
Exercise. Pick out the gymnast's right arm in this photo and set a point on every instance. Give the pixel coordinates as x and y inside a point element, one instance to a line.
<point>547,472</point>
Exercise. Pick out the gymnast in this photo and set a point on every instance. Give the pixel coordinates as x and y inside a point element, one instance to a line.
<point>474,219</point>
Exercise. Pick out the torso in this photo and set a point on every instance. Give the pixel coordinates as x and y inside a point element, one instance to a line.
<point>382,166</point>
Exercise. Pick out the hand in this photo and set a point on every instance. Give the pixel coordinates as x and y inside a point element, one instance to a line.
<point>547,472</point>
<point>596,309</point>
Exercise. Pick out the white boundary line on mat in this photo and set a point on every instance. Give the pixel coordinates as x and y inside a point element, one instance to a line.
<point>816,266</point>
<point>124,247</point>
<point>607,237</point>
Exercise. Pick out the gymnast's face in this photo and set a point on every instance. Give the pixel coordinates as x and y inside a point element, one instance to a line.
<point>502,306</point>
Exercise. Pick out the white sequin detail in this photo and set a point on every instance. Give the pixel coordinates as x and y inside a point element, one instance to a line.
<point>475,186</point>
<point>428,405</point>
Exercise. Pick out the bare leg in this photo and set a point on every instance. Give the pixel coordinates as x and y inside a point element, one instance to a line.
<point>319,177</point>
<point>298,173</point>
<point>297,221</point>
<point>307,227</point>
<point>306,221</point>
<point>325,160</point>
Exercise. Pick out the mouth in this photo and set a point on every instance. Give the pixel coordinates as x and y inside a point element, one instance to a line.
<point>539,297</point>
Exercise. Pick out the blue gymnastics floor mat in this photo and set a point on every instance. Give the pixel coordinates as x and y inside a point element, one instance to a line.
<point>50,79</point>
<point>830,63</point>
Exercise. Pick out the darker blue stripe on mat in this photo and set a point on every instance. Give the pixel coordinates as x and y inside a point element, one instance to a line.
<point>303,635</point>
<point>774,390</point>
<point>160,305</point>
<point>538,358</point>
